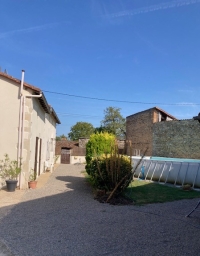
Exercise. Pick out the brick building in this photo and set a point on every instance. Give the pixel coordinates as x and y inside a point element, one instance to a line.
<point>139,129</point>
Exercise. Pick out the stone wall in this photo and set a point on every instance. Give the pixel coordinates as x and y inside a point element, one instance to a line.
<point>139,130</point>
<point>83,142</point>
<point>178,139</point>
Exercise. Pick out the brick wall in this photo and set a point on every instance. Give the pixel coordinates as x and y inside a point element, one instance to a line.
<point>177,139</point>
<point>139,129</point>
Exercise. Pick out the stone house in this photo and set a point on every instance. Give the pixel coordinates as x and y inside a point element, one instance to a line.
<point>139,129</point>
<point>71,152</point>
<point>28,127</point>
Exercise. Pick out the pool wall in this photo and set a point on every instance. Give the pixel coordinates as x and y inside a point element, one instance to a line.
<point>168,170</point>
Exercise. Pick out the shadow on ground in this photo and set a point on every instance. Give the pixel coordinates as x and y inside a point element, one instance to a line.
<point>63,219</point>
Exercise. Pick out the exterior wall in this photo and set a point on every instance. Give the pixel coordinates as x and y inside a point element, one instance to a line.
<point>37,123</point>
<point>77,159</point>
<point>177,139</point>
<point>9,116</point>
<point>82,142</point>
<point>57,159</point>
<point>139,130</point>
<point>77,151</point>
<point>50,137</point>
<point>64,144</point>
<point>43,126</point>
<point>73,159</point>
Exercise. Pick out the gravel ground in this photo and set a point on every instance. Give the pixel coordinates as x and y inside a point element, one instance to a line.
<point>62,218</point>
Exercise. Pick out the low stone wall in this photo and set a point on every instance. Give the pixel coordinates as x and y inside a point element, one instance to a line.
<point>179,139</point>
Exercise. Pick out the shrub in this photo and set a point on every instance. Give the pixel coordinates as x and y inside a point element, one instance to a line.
<point>111,172</point>
<point>98,145</point>
<point>108,169</point>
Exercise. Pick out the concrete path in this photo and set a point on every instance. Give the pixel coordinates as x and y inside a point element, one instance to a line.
<point>62,218</point>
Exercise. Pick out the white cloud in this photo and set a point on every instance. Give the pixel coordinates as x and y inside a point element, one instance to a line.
<point>26,30</point>
<point>152,8</point>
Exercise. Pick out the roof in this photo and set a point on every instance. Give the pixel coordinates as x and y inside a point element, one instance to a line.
<point>36,91</point>
<point>157,108</point>
<point>65,144</point>
<point>161,110</point>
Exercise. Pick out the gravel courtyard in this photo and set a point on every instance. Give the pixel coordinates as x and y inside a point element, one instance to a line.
<point>62,218</point>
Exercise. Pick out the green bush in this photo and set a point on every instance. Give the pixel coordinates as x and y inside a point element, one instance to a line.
<point>108,170</point>
<point>98,145</point>
<point>111,172</point>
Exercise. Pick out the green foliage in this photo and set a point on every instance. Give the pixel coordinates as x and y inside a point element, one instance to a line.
<point>108,169</point>
<point>9,169</point>
<point>58,138</point>
<point>100,129</point>
<point>113,121</point>
<point>111,172</point>
<point>81,129</point>
<point>32,176</point>
<point>99,144</point>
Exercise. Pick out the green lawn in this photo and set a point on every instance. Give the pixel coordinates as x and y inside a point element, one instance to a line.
<point>144,192</point>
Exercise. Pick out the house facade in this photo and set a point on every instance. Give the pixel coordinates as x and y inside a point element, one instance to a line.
<point>139,129</point>
<point>28,127</point>
<point>71,152</point>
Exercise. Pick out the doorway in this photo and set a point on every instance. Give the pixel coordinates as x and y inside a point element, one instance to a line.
<point>65,155</point>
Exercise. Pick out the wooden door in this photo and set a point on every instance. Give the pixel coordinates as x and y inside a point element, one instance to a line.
<point>65,156</point>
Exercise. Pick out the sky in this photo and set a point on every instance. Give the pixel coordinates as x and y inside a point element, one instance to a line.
<point>87,55</point>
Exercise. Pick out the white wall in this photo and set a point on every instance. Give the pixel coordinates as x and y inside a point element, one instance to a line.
<point>9,116</point>
<point>37,123</point>
<point>73,159</point>
<point>77,159</point>
<point>42,126</point>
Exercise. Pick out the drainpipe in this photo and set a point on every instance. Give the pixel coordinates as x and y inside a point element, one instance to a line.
<point>22,133</point>
<point>20,119</point>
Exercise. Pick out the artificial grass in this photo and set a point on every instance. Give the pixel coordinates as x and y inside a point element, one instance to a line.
<point>144,192</point>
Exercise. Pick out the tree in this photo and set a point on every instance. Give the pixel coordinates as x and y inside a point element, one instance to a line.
<point>100,129</point>
<point>80,129</point>
<point>58,138</point>
<point>113,121</point>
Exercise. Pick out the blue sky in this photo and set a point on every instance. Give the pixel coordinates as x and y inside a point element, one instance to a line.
<point>122,50</point>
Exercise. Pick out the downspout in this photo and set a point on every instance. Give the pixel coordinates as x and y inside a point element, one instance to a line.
<point>20,120</point>
<point>22,133</point>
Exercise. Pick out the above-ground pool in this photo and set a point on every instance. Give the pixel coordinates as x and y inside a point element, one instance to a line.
<point>168,170</point>
<point>175,159</point>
